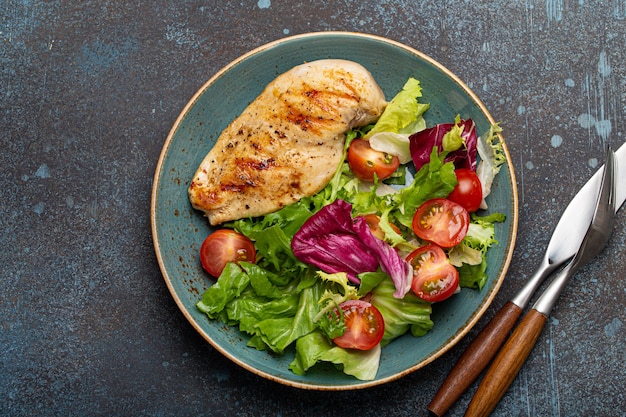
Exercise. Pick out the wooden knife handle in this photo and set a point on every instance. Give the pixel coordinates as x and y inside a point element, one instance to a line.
<point>476,358</point>
<point>506,365</point>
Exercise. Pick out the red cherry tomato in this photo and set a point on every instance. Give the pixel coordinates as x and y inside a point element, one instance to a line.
<point>441,221</point>
<point>373,222</point>
<point>223,246</point>
<point>434,277</point>
<point>468,191</point>
<point>365,161</point>
<point>365,326</point>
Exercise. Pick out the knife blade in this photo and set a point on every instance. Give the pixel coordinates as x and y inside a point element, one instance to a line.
<point>563,245</point>
<point>566,240</point>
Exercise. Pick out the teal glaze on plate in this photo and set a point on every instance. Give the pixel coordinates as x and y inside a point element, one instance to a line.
<point>178,230</point>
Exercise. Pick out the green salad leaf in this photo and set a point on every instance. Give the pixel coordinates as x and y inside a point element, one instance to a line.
<point>404,113</point>
<point>480,237</point>
<point>400,315</point>
<point>315,347</point>
<point>435,179</point>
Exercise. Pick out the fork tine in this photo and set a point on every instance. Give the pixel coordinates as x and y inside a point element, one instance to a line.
<point>611,169</point>
<point>603,216</point>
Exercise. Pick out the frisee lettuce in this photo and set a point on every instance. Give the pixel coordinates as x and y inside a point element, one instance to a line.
<point>491,152</point>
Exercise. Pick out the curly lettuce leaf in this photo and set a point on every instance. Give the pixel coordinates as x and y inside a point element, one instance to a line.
<point>402,117</point>
<point>435,179</point>
<point>480,237</point>
<point>404,113</point>
<point>231,285</point>
<point>344,291</point>
<point>315,347</point>
<point>279,332</point>
<point>273,315</point>
<point>401,315</point>
<point>492,157</point>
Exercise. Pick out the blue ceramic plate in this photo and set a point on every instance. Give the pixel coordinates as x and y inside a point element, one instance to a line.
<point>178,230</point>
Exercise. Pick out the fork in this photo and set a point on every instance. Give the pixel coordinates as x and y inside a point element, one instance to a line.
<point>511,358</point>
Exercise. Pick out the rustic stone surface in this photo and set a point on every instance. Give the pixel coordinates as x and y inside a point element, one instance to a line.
<point>88,92</point>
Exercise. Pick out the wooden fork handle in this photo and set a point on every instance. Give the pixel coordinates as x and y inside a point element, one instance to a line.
<point>476,358</point>
<point>506,365</point>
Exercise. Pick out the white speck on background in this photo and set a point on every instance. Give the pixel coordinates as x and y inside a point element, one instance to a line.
<point>38,208</point>
<point>586,120</point>
<point>556,141</point>
<point>554,400</point>
<point>603,104</point>
<point>569,82</point>
<point>554,10</point>
<point>43,171</point>
<point>593,162</point>
<point>181,35</point>
<point>619,9</point>
<point>264,4</point>
<point>604,67</point>
<point>529,165</point>
<point>285,31</point>
<point>613,327</point>
<point>603,129</point>
<point>521,110</point>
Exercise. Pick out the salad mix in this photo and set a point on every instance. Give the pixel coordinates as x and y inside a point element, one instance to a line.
<point>340,274</point>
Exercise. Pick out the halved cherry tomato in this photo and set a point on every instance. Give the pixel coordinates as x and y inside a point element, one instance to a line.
<point>373,222</point>
<point>468,191</point>
<point>223,246</point>
<point>441,221</point>
<point>365,326</point>
<point>434,277</point>
<point>365,161</point>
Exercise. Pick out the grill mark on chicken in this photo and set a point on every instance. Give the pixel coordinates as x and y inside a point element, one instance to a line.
<point>287,143</point>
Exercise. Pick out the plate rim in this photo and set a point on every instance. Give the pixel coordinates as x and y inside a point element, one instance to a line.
<point>358,384</point>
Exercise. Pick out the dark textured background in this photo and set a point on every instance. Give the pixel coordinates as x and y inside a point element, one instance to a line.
<point>88,93</point>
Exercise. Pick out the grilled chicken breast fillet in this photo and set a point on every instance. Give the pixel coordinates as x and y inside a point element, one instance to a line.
<point>288,143</point>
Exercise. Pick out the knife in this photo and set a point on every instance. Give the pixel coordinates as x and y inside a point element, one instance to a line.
<point>519,345</point>
<point>563,245</point>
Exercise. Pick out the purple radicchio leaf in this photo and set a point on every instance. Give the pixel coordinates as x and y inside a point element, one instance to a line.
<point>334,242</point>
<point>421,145</point>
